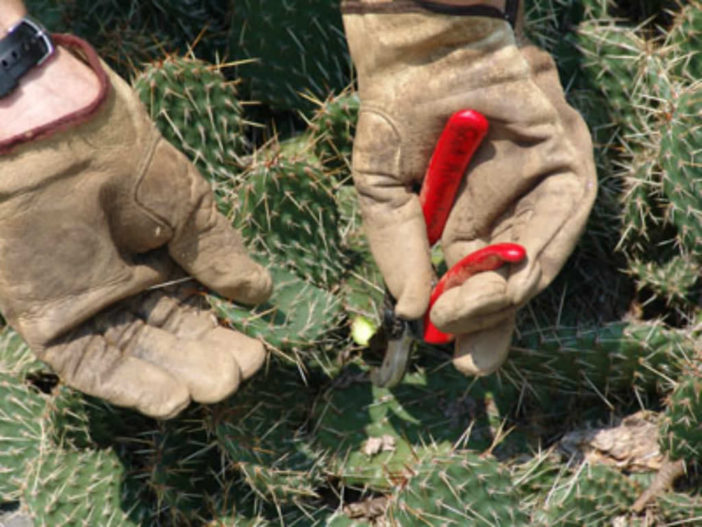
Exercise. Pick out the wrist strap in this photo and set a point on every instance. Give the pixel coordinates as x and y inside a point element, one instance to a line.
<point>26,46</point>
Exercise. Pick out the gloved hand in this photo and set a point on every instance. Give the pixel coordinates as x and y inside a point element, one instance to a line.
<point>532,181</point>
<point>97,208</point>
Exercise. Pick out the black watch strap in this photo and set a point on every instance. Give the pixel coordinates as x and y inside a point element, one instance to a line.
<point>26,46</point>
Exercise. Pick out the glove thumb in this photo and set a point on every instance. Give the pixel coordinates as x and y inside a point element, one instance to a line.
<point>203,243</point>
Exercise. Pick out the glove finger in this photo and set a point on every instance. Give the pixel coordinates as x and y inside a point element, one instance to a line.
<point>183,312</point>
<point>554,253</point>
<point>392,215</point>
<point>480,302</point>
<point>88,362</point>
<point>483,352</point>
<point>544,223</point>
<point>202,241</point>
<point>209,373</point>
<point>547,224</point>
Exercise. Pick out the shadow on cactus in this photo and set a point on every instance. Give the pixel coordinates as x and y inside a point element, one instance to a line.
<point>373,434</point>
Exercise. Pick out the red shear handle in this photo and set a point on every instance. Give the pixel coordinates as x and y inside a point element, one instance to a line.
<point>486,259</point>
<point>459,140</point>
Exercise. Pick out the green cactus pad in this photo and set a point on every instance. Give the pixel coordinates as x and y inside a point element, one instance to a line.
<point>287,209</point>
<point>334,126</point>
<point>75,488</point>
<point>673,281</point>
<point>456,488</point>
<point>606,360</point>
<point>262,435</point>
<point>198,111</point>
<point>297,316</point>
<point>681,430</point>
<point>426,408</point>
<point>537,476</point>
<point>639,200</point>
<point>681,158</point>
<point>680,509</point>
<point>298,47</point>
<point>15,356</point>
<point>593,496</point>
<point>684,41</point>
<point>21,433</point>
<point>615,59</point>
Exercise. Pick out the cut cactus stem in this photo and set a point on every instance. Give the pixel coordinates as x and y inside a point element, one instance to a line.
<point>488,258</point>
<point>461,137</point>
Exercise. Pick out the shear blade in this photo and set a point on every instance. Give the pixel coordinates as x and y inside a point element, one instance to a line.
<point>396,360</point>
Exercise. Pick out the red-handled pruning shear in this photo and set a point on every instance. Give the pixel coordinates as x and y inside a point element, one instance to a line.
<point>461,137</point>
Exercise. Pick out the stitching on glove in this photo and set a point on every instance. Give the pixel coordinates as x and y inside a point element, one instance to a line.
<point>85,52</point>
<point>349,7</point>
<point>146,162</point>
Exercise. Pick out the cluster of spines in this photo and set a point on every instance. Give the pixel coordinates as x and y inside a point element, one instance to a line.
<point>333,126</point>
<point>611,359</point>
<point>681,428</point>
<point>681,158</point>
<point>652,100</point>
<point>287,209</point>
<point>298,48</point>
<point>593,495</point>
<point>673,281</point>
<point>456,487</point>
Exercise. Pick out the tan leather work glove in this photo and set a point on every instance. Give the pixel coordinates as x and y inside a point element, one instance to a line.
<point>97,208</point>
<point>532,181</point>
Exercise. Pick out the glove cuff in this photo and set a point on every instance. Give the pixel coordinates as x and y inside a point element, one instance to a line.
<point>81,49</point>
<point>485,8</point>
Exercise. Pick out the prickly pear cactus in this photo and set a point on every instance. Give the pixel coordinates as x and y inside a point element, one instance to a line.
<point>594,495</point>
<point>69,488</point>
<point>373,433</point>
<point>616,60</point>
<point>674,281</point>
<point>607,360</point>
<point>681,430</point>
<point>296,48</point>
<point>21,433</point>
<point>681,158</point>
<point>333,127</point>
<point>456,488</point>
<point>198,111</point>
<point>684,41</point>
<point>536,477</point>
<point>680,508</point>
<point>264,439</point>
<point>287,209</point>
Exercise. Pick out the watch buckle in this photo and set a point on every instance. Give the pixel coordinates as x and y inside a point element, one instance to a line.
<point>41,33</point>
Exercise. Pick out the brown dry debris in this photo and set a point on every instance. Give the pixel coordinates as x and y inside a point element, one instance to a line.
<point>371,509</point>
<point>632,446</point>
